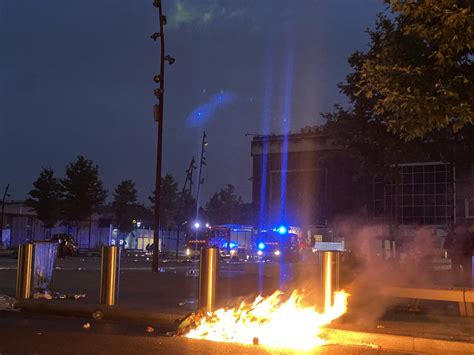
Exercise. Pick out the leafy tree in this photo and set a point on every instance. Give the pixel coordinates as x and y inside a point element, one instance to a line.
<point>45,198</point>
<point>224,206</point>
<point>168,201</point>
<point>418,72</point>
<point>83,191</point>
<point>124,205</point>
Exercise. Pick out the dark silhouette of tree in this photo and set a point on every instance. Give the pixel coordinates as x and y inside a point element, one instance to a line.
<point>45,198</point>
<point>124,205</point>
<point>224,206</point>
<point>83,191</point>
<point>168,201</point>
<point>418,72</point>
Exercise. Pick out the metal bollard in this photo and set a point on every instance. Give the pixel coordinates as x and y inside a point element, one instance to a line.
<point>109,275</point>
<point>24,274</point>
<point>207,279</point>
<point>330,270</point>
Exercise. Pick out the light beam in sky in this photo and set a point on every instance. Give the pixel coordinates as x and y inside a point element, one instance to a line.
<point>207,110</point>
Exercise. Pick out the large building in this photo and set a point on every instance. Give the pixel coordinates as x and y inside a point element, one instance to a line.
<point>319,182</point>
<point>309,185</point>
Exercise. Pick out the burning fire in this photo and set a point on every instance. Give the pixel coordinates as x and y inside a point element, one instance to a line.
<point>271,322</point>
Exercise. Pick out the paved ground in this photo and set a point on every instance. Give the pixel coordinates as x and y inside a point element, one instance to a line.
<point>33,334</point>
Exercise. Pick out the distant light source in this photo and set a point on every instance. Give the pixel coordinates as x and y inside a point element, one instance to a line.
<point>139,224</point>
<point>261,245</point>
<point>232,245</point>
<point>259,253</point>
<point>277,253</point>
<point>197,225</point>
<point>170,59</point>
<point>207,225</point>
<point>282,230</point>
<point>157,78</point>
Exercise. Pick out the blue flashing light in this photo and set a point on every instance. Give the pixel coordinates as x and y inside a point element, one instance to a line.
<point>232,245</point>
<point>282,230</point>
<point>261,245</point>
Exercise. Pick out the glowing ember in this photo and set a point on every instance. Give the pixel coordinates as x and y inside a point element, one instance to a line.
<point>271,322</point>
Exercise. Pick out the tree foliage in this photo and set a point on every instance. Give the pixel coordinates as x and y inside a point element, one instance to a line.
<point>224,206</point>
<point>83,191</point>
<point>418,72</point>
<point>45,198</point>
<point>124,205</point>
<point>168,201</point>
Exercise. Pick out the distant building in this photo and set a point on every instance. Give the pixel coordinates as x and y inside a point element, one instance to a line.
<point>21,225</point>
<point>323,183</point>
<point>318,177</point>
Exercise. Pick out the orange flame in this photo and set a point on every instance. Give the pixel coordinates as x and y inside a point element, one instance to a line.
<point>271,322</point>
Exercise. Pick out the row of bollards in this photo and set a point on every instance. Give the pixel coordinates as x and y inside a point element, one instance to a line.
<point>109,274</point>
<point>329,264</point>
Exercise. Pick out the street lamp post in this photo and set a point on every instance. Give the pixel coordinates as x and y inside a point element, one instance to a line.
<point>158,115</point>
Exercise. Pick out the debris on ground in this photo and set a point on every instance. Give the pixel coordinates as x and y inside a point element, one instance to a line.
<point>86,325</point>
<point>42,295</point>
<point>150,329</point>
<point>7,303</point>
<point>190,321</point>
<point>45,294</point>
<point>98,315</point>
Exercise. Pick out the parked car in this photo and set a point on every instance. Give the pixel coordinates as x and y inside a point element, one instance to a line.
<point>67,245</point>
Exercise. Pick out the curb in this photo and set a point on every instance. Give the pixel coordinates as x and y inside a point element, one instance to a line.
<point>397,342</point>
<point>166,321</point>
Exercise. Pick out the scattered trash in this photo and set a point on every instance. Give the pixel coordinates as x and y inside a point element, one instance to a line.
<point>255,341</point>
<point>150,329</point>
<point>380,326</point>
<point>7,303</point>
<point>98,315</point>
<point>86,325</point>
<point>42,295</point>
<point>46,294</point>
<point>192,272</point>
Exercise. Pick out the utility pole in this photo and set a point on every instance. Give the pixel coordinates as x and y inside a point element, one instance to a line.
<point>189,178</point>
<point>5,195</point>
<point>158,116</point>
<point>200,180</point>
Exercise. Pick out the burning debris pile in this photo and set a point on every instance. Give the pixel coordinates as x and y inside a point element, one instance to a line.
<point>272,322</point>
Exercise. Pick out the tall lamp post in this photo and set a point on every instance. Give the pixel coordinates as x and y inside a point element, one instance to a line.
<point>158,116</point>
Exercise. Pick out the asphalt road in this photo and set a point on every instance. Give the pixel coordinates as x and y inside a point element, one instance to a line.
<point>41,334</point>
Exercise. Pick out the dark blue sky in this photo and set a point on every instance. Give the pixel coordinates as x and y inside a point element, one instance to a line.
<point>76,78</point>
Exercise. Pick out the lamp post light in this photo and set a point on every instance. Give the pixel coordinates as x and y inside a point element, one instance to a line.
<point>158,116</point>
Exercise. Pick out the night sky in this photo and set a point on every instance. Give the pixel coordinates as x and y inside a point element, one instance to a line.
<point>76,78</point>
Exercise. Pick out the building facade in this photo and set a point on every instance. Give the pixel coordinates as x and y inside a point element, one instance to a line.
<point>322,183</point>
